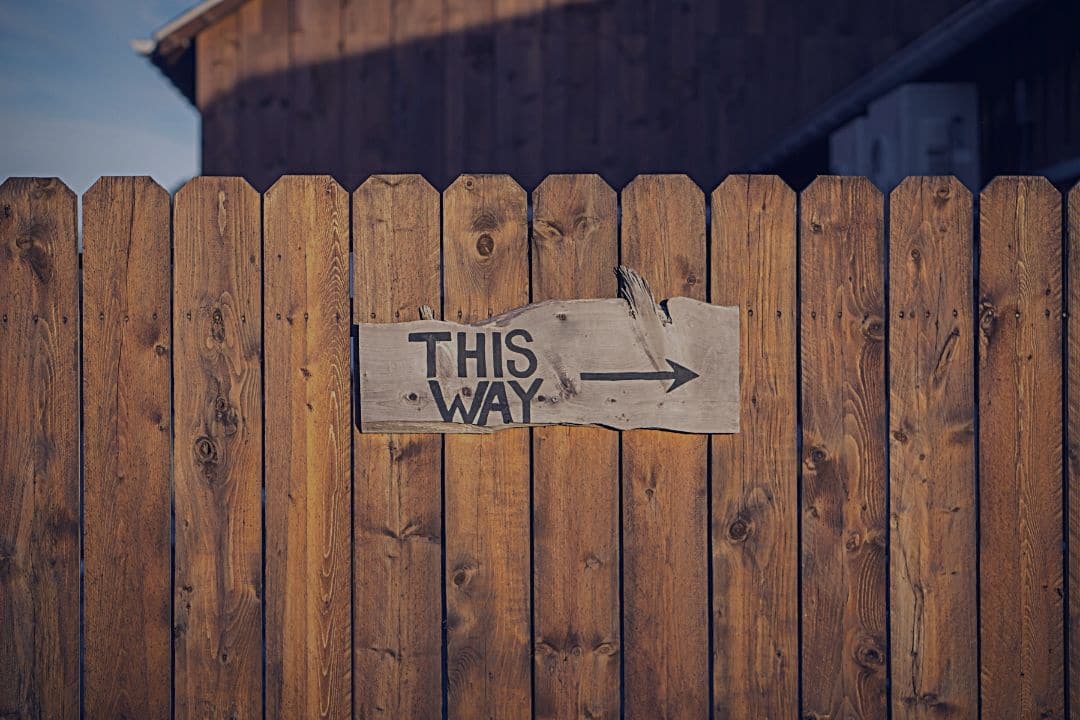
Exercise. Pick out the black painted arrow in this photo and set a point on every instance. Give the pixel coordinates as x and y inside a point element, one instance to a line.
<point>679,375</point>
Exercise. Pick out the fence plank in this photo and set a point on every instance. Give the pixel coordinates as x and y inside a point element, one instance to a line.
<point>843,400</point>
<point>127,486</point>
<point>398,493</point>
<point>308,406</point>
<point>932,439</point>
<point>1074,447</point>
<point>486,271</point>
<point>755,473</point>
<point>576,475</point>
<point>217,324</point>
<point>39,450</point>
<point>664,483</point>
<point>1020,506</point>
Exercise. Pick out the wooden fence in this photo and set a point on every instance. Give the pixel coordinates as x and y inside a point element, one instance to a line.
<point>888,533</point>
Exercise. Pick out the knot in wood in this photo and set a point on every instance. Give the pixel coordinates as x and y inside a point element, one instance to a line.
<point>987,317</point>
<point>225,414</point>
<point>853,542</point>
<point>24,241</point>
<point>485,244</point>
<point>869,655</point>
<point>217,326</point>
<point>817,455</point>
<point>873,328</point>
<point>739,530</point>
<point>205,451</point>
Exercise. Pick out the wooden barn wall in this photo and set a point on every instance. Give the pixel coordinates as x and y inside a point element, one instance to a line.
<point>528,87</point>
<point>892,533</point>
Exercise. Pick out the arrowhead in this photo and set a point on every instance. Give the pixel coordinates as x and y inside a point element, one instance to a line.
<point>682,375</point>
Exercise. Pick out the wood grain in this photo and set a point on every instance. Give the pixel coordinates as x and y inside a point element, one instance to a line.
<point>1074,446</point>
<point>934,618</point>
<point>398,493</point>
<point>843,445</point>
<point>575,476</point>
<point>1020,480</point>
<point>127,474</point>
<point>217,441</point>
<point>755,473</point>
<point>486,271</point>
<point>664,481</point>
<point>39,450</point>
<point>308,406</point>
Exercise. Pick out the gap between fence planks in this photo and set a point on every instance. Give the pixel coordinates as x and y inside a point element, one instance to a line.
<point>664,481</point>
<point>575,475</point>
<point>843,445</point>
<point>308,482</point>
<point>39,450</point>
<point>1020,453</point>
<point>218,449</point>
<point>127,425</point>
<point>932,440</point>
<point>485,272</point>
<point>755,472</point>
<point>398,493</point>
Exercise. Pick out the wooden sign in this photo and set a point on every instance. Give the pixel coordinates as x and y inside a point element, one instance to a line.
<point>622,363</point>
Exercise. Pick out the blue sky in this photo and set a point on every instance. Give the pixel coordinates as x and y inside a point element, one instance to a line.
<point>78,102</point>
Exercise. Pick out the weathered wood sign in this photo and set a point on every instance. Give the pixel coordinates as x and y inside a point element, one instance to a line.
<point>623,363</point>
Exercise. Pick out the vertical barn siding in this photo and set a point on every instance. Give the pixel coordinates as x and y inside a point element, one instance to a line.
<point>528,87</point>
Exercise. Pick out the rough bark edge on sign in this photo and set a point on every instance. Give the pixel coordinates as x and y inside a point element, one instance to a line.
<point>635,290</point>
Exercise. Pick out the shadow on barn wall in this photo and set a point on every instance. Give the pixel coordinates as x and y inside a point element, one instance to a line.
<point>622,88</point>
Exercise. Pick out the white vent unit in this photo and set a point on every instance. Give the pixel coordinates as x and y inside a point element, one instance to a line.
<point>917,129</point>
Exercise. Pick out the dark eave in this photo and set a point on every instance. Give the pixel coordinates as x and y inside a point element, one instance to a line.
<point>172,47</point>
